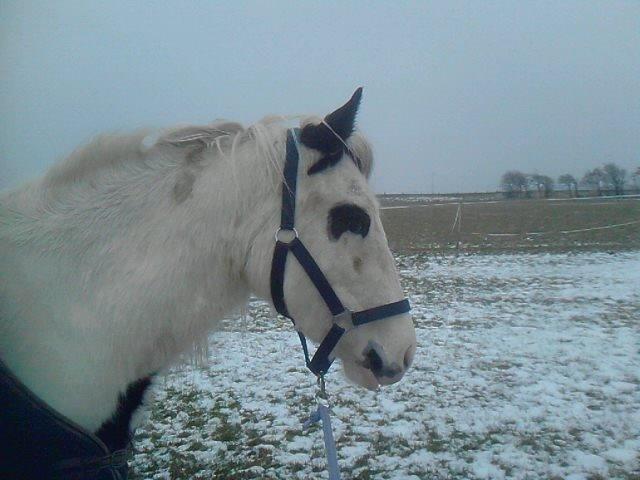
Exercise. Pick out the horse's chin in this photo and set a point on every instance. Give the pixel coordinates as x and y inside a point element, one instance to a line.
<point>360,376</point>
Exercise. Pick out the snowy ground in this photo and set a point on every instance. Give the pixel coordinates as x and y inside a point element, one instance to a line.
<point>528,366</point>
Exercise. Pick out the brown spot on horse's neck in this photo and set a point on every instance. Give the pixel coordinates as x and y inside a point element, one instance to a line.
<point>184,186</point>
<point>357,264</point>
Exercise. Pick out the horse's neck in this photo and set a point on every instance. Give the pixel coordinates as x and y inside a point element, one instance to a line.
<point>132,282</point>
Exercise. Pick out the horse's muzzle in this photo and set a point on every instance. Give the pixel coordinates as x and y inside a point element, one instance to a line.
<point>385,370</point>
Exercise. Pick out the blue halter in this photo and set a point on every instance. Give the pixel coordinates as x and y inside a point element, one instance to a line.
<point>321,360</point>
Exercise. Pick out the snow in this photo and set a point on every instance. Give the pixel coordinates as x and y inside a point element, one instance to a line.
<point>528,366</point>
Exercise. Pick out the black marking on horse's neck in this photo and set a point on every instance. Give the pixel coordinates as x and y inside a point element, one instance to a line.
<point>116,432</point>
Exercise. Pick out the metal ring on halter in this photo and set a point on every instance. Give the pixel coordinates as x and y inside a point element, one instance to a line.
<point>295,235</point>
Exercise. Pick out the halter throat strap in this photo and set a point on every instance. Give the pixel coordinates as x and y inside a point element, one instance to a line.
<point>287,240</point>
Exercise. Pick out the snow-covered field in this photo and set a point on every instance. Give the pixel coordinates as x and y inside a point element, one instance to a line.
<point>528,366</point>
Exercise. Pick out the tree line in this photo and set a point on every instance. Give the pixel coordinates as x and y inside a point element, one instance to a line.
<point>608,179</point>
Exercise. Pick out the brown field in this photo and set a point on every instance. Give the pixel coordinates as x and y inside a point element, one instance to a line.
<point>425,225</point>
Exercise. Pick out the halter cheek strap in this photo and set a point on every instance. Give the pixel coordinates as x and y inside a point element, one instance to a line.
<point>287,240</point>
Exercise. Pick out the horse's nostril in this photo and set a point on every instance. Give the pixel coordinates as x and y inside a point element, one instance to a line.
<point>408,356</point>
<point>374,362</point>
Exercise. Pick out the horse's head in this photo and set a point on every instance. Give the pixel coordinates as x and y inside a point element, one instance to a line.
<point>337,218</point>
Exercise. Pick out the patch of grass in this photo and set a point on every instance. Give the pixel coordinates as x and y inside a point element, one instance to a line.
<point>427,228</point>
<point>183,465</point>
<point>436,444</point>
<point>227,432</point>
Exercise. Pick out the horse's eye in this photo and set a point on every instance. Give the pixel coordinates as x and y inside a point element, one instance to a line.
<point>348,218</point>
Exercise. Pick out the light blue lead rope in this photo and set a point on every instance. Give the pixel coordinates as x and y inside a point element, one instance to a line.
<point>322,415</point>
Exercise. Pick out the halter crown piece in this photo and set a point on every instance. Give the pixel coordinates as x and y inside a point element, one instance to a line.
<point>287,240</point>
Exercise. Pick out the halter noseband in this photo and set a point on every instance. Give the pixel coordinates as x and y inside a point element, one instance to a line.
<point>321,360</point>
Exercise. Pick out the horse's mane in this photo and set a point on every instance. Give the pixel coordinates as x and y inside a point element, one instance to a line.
<point>132,151</point>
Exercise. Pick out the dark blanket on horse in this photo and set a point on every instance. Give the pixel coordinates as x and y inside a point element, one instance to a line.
<point>37,442</point>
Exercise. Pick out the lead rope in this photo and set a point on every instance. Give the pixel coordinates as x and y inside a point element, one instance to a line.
<point>322,415</point>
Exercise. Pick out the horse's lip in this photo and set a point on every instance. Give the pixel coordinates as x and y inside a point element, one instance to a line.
<point>373,386</point>
<point>380,382</point>
<point>390,381</point>
<point>372,383</point>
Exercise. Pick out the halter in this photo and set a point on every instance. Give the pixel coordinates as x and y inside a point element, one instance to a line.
<point>287,240</point>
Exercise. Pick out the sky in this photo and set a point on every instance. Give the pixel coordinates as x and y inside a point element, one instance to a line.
<point>455,93</point>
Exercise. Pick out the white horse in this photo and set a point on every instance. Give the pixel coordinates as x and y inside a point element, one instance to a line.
<point>128,253</point>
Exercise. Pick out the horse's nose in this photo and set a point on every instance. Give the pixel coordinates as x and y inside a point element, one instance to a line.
<point>385,371</point>
<point>408,356</point>
<point>374,362</point>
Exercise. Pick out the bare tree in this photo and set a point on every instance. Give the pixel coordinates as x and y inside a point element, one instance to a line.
<point>616,177</point>
<point>542,183</point>
<point>570,182</point>
<point>636,178</point>
<point>594,179</point>
<point>514,184</point>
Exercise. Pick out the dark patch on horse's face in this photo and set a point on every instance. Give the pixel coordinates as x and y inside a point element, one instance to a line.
<point>322,138</point>
<point>116,432</point>
<point>328,160</point>
<point>348,218</point>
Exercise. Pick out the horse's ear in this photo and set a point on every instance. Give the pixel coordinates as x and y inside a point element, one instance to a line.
<point>343,119</point>
<point>342,122</point>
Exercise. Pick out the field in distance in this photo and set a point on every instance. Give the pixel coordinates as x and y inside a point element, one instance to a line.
<point>425,223</point>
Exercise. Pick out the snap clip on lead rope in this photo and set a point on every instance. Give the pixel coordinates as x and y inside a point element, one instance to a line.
<point>322,414</point>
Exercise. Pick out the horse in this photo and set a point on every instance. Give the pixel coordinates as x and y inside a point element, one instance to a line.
<point>129,252</point>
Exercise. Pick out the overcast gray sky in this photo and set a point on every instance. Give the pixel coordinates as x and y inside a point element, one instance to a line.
<point>454,92</point>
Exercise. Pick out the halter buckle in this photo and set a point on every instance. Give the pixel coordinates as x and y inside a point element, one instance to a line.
<point>291,232</point>
<point>344,319</point>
